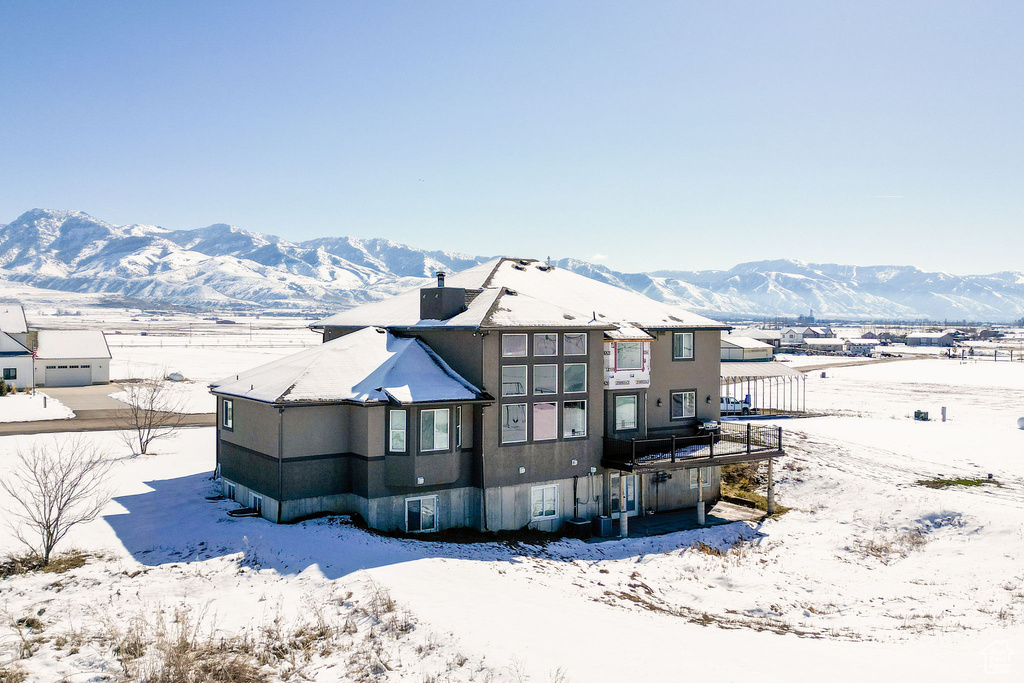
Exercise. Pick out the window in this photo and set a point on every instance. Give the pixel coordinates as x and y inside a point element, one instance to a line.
<point>256,502</point>
<point>574,378</point>
<point>421,514</point>
<point>545,379</point>
<point>545,344</point>
<point>458,426</point>
<point>10,373</point>
<point>513,423</point>
<point>625,412</point>
<point>545,421</point>
<point>513,380</point>
<point>513,344</point>
<point>705,477</point>
<point>544,502</point>
<point>228,415</point>
<point>683,405</point>
<point>434,430</point>
<point>396,431</point>
<point>682,346</point>
<point>230,491</point>
<point>574,343</point>
<point>629,356</point>
<point>574,419</point>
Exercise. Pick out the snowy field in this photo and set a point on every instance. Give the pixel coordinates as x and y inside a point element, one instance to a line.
<point>869,575</point>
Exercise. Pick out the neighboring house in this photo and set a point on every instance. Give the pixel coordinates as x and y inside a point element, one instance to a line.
<point>15,362</point>
<point>862,347</point>
<point>930,339</point>
<point>824,344</point>
<point>516,394</point>
<point>72,358</point>
<point>772,337</point>
<point>745,349</point>
<point>819,332</point>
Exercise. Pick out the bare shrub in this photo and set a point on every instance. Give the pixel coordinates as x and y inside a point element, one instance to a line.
<point>153,410</point>
<point>56,488</point>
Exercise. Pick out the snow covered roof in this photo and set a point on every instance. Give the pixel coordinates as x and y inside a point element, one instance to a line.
<point>12,319</point>
<point>754,370</point>
<point>755,333</point>
<point>527,293</point>
<point>826,341</point>
<point>367,366</point>
<point>56,344</point>
<point>744,343</point>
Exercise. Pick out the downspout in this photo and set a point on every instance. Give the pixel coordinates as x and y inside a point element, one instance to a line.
<point>280,462</point>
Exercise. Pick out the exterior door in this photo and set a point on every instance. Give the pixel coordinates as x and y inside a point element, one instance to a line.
<point>624,487</point>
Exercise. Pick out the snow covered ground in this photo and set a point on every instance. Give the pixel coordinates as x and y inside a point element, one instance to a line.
<point>27,407</point>
<point>869,576</point>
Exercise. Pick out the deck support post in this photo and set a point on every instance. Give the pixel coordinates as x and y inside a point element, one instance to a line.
<point>700,496</point>
<point>771,486</point>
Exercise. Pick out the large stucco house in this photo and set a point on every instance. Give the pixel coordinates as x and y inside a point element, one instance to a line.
<point>513,394</point>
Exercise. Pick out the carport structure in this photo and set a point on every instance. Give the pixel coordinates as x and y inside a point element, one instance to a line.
<point>773,388</point>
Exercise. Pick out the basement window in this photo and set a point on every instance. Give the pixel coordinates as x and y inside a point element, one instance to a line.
<point>421,514</point>
<point>544,502</point>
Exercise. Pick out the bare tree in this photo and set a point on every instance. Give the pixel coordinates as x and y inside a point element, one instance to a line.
<point>55,487</point>
<point>153,410</point>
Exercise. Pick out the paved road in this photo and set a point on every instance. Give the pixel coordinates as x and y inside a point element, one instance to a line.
<point>94,410</point>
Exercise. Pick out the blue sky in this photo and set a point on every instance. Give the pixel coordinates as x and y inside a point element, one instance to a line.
<point>642,135</point>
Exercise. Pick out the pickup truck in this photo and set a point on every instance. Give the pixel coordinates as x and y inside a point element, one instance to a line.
<point>732,406</point>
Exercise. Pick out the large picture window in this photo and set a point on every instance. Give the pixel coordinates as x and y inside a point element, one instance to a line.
<point>513,345</point>
<point>421,514</point>
<point>574,343</point>
<point>228,414</point>
<point>545,379</point>
<point>545,344</point>
<point>574,378</point>
<point>574,419</point>
<point>434,430</point>
<point>513,380</point>
<point>545,421</point>
<point>396,431</point>
<point>683,405</point>
<point>629,356</point>
<point>682,346</point>
<point>544,502</point>
<point>625,412</point>
<point>513,422</point>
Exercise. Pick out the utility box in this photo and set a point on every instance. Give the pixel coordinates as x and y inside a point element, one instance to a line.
<point>921,415</point>
<point>578,527</point>
<point>602,526</point>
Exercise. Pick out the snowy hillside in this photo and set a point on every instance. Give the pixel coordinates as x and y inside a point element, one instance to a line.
<point>221,264</point>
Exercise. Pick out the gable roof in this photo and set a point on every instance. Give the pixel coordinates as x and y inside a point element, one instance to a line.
<point>56,344</point>
<point>528,293</point>
<point>744,343</point>
<point>367,366</point>
<point>9,346</point>
<point>12,319</point>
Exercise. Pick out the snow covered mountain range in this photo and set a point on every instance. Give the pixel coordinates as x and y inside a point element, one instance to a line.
<point>223,265</point>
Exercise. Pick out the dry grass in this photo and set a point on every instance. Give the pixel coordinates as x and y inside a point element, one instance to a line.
<point>742,481</point>
<point>13,565</point>
<point>939,483</point>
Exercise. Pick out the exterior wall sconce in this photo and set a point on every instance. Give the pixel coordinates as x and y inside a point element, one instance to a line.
<point>593,470</point>
<point>522,470</point>
<point>708,399</point>
<point>575,462</point>
<point>659,402</point>
<point>419,480</point>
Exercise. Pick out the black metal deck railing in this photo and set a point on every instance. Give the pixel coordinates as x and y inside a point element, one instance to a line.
<point>730,443</point>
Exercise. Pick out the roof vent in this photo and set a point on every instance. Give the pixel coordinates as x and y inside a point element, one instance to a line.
<point>518,267</point>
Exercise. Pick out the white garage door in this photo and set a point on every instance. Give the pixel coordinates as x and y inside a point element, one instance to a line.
<point>68,375</point>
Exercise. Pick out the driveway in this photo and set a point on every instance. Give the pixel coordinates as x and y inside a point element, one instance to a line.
<point>94,411</point>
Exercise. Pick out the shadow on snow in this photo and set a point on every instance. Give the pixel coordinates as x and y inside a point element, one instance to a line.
<point>174,522</point>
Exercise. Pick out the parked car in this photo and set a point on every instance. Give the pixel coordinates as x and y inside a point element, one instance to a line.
<point>732,406</point>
